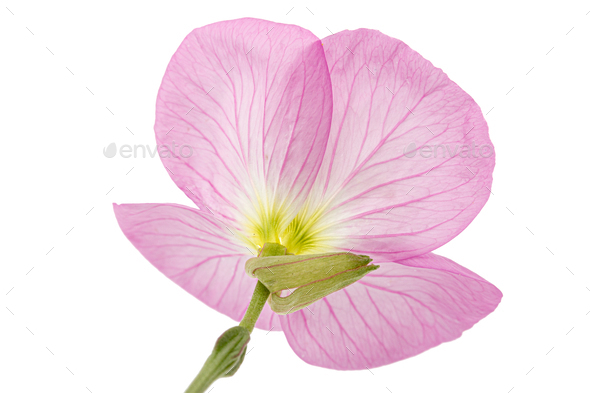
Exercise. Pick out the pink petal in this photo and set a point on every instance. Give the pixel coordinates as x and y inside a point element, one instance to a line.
<point>196,252</point>
<point>253,99</point>
<point>377,200</point>
<point>394,313</point>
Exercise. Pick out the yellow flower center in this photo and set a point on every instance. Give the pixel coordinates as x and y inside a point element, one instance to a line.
<point>303,235</point>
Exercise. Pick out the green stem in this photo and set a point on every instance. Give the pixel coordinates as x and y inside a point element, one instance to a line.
<point>255,308</point>
<point>230,348</point>
<point>261,293</point>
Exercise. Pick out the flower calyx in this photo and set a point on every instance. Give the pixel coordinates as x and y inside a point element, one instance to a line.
<point>296,281</point>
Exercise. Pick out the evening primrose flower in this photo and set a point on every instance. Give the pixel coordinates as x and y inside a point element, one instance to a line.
<point>320,146</point>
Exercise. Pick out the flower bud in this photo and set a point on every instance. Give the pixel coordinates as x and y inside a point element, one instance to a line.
<point>225,359</point>
<point>308,278</point>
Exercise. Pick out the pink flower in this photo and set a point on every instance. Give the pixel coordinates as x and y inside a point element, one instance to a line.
<point>354,142</point>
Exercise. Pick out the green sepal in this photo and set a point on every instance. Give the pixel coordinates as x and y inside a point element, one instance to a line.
<point>314,291</point>
<point>308,278</point>
<point>292,271</point>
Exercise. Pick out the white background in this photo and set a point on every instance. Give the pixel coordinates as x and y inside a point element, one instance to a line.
<point>93,315</point>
